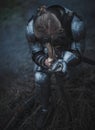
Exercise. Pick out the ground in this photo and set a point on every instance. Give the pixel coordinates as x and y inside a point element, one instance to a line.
<point>16,66</point>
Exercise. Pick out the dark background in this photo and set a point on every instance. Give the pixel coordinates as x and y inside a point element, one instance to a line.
<point>16,67</point>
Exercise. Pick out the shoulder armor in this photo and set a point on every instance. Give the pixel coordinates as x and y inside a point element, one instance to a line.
<point>77,28</point>
<point>29,32</point>
<point>30,27</point>
<point>68,11</point>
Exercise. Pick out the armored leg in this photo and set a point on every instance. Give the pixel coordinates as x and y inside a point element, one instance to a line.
<point>60,78</point>
<point>42,83</point>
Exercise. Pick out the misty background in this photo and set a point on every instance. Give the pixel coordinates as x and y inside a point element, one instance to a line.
<point>16,66</point>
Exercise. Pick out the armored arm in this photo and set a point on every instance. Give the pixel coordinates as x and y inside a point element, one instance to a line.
<point>73,56</point>
<point>36,49</point>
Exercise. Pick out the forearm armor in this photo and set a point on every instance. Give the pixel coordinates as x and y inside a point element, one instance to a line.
<point>39,58</point>
<point>71,58</point>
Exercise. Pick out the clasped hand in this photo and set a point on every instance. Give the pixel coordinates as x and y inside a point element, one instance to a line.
<point>56,66</point>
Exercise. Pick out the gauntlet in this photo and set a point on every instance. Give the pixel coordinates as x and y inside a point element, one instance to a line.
<point>58,66</point>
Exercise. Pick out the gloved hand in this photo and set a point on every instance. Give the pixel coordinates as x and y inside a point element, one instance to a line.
<point>59,66</point>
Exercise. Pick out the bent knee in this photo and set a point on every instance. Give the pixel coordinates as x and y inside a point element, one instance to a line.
<point>41,78</point>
